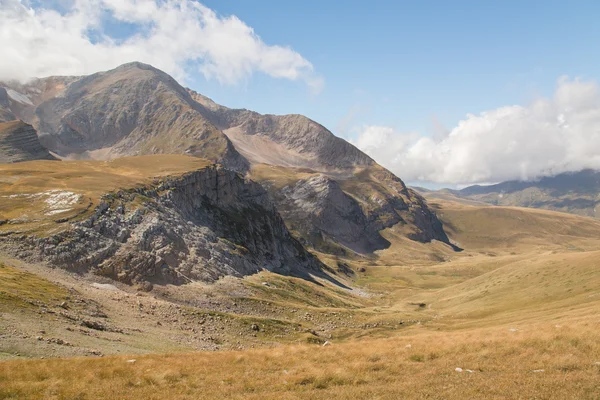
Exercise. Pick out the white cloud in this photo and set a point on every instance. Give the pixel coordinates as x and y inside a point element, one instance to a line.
<point>550,136</point>
<point>181,37</point>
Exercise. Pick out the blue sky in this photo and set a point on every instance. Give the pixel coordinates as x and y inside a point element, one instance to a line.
<point>403,63</point>
<point>440,92</point>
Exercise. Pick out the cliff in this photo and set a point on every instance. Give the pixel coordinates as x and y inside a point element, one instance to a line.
<point>201,225</point>
<point>19,142</point>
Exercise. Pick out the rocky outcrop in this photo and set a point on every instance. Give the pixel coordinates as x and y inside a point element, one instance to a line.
<point>320,210</point>
<point>199,226</point>
<point>325,212</point>
<point>5,112</point>
<point>19,142</point>
<point>136,109</point>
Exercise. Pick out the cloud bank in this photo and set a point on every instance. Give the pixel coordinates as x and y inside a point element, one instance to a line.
<point>181,37</point>
<point>550,136</point>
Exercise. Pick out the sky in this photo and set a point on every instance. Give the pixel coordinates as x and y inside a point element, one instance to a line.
<point>442,93</point>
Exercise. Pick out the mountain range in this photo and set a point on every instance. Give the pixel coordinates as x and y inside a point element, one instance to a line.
<point>573,192</point>
<point>332,197</point>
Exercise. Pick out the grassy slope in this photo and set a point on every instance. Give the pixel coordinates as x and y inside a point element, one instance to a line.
<point>522,297</point>
<point>420,366</point>
<point>20,289</point>
<point>22,185</point>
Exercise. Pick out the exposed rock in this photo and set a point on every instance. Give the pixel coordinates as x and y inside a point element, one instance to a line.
<point>351,212</point>
<point>5,111</point>
<point>136,109</point>
<point>198,226</point>
<point>93,325</point>
<point>318,205</point>
<point>19,142</point>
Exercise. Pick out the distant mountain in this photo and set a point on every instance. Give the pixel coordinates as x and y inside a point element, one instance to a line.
<point>573,192</point>
<point>336,197</point>
<point>19,142</point>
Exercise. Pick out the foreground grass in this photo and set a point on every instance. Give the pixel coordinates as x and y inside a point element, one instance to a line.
<point>537,361</point>
<point>25,187</point>
<point>20,289</point>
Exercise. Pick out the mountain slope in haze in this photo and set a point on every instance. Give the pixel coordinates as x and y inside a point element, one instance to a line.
<point>5,111</point>
<point>572,192</point>
<point>19,142</point>
<point>136,109</point>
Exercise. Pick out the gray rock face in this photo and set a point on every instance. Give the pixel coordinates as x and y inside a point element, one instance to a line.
<point>322,210</point>
<point>318,206</point>
<point>199,226</point>
<point>19,142</point>
<point>5,112</point>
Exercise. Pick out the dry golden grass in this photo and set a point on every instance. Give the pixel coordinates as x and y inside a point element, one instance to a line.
<point>539,361</point>
<point>19,289</point>
<point>513,229</point>
<point>520,308</point>
<point>22,184</point>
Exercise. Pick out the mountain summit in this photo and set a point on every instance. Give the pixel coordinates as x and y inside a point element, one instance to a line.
<point>333,196</point>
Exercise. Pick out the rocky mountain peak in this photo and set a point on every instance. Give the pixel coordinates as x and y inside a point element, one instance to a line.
<point>136,109</point>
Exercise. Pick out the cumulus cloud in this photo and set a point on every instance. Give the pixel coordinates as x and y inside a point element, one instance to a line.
<point>549,136</point>
<point>181,37</point>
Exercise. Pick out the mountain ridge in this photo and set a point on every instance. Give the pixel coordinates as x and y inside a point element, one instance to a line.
<point>136,109</point>
<point>576,192</point>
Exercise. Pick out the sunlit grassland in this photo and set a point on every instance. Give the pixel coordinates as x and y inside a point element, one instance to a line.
<point>535,361</point>
<point>517,311</point>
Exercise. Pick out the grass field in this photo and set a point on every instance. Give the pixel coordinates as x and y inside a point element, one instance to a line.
<point>517,313</point>
<point>36,194</point>
<point>540,361</point>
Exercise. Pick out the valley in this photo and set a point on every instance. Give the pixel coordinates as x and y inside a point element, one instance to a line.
<point>515,311</point>
<point>154,244</point>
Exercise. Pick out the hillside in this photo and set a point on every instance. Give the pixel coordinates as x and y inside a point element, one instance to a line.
<point>518,313</point>
<point>132,110</point>
<point>153,219</point>
<point>346,214</point>
<point>136,109</point>
<point>5,112</point>
<point>572,192</point>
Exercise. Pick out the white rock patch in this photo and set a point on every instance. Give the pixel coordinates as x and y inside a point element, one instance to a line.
<point>59,201</point>
<point>18,97</point>
<point>105,286</point>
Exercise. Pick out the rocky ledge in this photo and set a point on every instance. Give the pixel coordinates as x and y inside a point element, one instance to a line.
<point>198,226</point>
